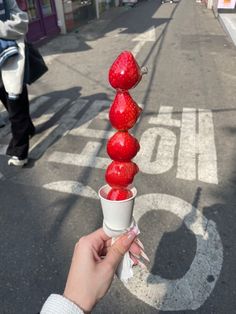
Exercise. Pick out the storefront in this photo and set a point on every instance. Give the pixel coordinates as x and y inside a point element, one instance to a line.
<point>43,19</point>
<point>50,17</point>
<point>226,4</point>
<point>78,11</point>
<point>221,6</point>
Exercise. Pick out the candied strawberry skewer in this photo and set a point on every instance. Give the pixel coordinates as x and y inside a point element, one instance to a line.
<point>121,173</point>
<point>122,146</point>
<point>118,196</point>
<point>124,74</point>
<point>124,111</point>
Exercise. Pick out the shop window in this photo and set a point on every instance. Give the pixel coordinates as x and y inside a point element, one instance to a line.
<point>46,7</point>
<point>80,3</point>
<point>32,10</point>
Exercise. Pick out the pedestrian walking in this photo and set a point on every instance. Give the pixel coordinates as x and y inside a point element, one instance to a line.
<point>13,90</point>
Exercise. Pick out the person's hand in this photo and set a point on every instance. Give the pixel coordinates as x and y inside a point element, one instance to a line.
<point>94,263</point>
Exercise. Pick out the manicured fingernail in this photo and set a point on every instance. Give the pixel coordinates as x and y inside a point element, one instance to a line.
<point>136,256</point>
<point>133,232</point>
<point>130,236</point>
<point>143,266</point>
<point>140,243</point>
<point>144,255</point>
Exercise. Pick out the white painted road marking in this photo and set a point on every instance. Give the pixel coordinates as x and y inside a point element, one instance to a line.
<point>63,125</point>
<point>72,187</point>
<point>33,108</point>
<point>147,36</point>
<point>51,111</point>
<point>43,140</point>
<point>187,151</point>
<point>116,32</point>
<point>87,132</point>
<point>164,117</point>
<point>193,289</point>
<point>87,158</point>
<point>207,158</point>
<point>196,152</point>
<point>95,111</point>
<point>152,159</point>
<point>201,144</point>
<point>196,159</point>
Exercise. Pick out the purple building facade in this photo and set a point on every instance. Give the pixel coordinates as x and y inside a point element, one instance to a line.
<point>45,16</point>
<point>43,19</point>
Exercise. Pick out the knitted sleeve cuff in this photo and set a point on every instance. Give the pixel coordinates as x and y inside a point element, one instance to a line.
<point>57,304</point>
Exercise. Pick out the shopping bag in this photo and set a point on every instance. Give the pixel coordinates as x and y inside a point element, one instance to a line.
<point>35,67</point>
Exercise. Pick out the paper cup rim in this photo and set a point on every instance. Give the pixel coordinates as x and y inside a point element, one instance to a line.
<point>133,189</point>
<point>115,233</point>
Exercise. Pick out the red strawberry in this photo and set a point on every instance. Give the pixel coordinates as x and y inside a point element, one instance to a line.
<point>124,111</point>
<point>119,194</point>
<point>122,146</point>
<point>121,174</point>
<point>124,73</point>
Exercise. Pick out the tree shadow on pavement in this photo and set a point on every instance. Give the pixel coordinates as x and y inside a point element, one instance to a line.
<point>119,18</point>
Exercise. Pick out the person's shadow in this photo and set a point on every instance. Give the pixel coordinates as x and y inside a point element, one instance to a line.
<point>59,119</point>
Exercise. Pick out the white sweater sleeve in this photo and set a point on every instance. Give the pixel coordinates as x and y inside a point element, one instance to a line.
<point>57,304</point>
<point>17,26</point>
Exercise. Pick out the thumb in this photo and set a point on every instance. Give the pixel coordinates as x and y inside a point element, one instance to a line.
<point>120,247</point>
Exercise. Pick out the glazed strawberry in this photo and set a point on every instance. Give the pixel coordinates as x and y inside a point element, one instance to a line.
<point>119,194</point>
<point>122,146</point>
<point>121,174</point>
<point>125,73</point>
<point>124,111</point>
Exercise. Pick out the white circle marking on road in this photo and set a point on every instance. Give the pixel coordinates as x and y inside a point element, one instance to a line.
<point>193,289</point>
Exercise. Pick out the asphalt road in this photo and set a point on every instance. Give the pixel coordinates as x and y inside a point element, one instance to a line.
<point>186,186</point>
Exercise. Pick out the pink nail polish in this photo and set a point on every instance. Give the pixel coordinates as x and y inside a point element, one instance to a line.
<point>131,236</point>
<point>136,256</point>
<point>133,232</point>
<point>140,243</point>
<point>144,255</point>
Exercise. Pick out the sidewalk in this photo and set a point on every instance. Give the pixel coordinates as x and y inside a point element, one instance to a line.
<point>228,21</point>
<point>90,31</point>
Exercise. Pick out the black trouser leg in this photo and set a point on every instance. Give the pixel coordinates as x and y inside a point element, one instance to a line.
<point>3,99</point>
<point>21,123</point>
<point>3,96</point>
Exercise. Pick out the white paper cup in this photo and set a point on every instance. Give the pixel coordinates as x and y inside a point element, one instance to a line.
<point>117,214</point>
